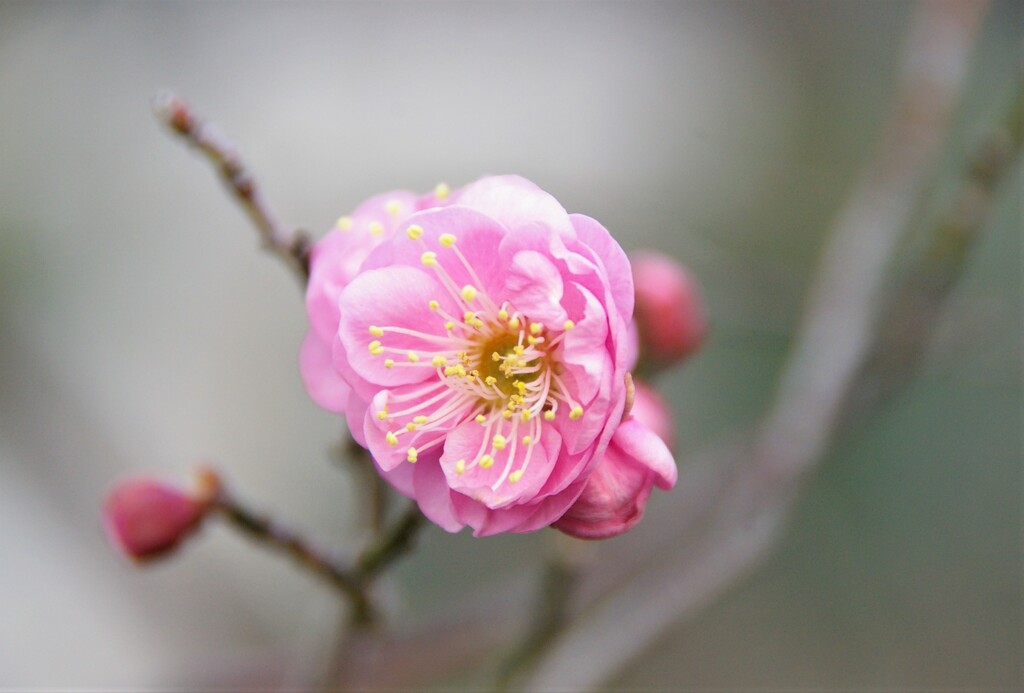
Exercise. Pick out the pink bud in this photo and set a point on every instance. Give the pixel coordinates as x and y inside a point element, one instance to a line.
<point>145,518</point>
<point>616,492</point>
<point>669,311</point>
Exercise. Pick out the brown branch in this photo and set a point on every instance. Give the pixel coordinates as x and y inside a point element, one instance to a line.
<point>354,581</point>
<point>291,246</point>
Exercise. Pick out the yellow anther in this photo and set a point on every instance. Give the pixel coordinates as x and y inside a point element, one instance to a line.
<point>514,323</point>
<point>549,415</point>
<point>414,232</point>
<point>495,356</point>
<point>420,420</point>
<point>468,292</point>
<point>502,314</point>
<point>478,324</point>
<point>376,331</point>
<point>429,258</point>
<point>382,414</point>
<point>376,228</point>
<point>527,440</point>
<point>410,427</point>
<point>521,386</point>
<point>394,207</point>
<point>412,356</point>
<point>438,361</point>
<point>569,324</point>
<point>441,191</point>
<point>490,380</point>
<point>389,363</point>
<point>468,317</point>
<point>376,348</point>
<point>411,455</point>
<point>460,467</point>
<point>525,416</point>
<point>499,442</point>
<point>486,461</point>
<point>507,415</point>
<point>391,438</point>
<point>480,419</point>
<point>446,239</point>
<point>576,413</point>
<point>518,349</point>
<point>515,476</point>
<point>434,305</point>
<point>345,223</point>
<point>536,327</point>
<point>533,340</point>
<point>449,326</point>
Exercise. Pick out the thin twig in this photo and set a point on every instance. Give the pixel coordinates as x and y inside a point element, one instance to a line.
<point>394,543</point>
<point>836,334</point>
<point>291,246</point>
<point>272,534</point>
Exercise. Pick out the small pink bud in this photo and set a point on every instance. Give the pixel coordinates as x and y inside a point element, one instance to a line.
<point>146,518</point>
<point>669,310</point>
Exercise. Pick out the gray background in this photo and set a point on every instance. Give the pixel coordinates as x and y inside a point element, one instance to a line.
<point>141,327</point>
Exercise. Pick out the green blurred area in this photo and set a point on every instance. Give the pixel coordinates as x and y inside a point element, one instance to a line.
<point>140,326</point>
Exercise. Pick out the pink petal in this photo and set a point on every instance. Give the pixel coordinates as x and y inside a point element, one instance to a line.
<point>392,297</point>
<point>515,202</point>
<point>323,383</point>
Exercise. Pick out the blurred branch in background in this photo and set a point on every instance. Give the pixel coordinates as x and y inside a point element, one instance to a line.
<point>291,246</point>
<point>741,511</point>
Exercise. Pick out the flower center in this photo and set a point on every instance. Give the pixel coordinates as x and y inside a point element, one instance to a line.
<point>493,366</point>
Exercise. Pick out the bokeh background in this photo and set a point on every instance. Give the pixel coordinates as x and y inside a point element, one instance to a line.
<point>142,328</point>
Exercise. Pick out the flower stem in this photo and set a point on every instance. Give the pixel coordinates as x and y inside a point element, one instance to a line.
<point>291,246</point>
<point>353,581</point>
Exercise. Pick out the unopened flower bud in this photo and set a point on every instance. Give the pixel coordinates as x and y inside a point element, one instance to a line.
<point>669,311</point>
<point>145,518</point>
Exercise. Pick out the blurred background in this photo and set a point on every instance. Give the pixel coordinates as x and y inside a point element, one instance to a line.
<point>141,327</point>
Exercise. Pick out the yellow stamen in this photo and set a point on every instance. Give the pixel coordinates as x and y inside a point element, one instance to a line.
<point>460,467</point>
<point>345,223</point>
<point>499,442</point>
<point>376,331</point>
<point>549,415</point>
<point>446,239</point>
<point>376,348</point>
<point>503,314</point>
<point>429,258</point>
<point>468,292</point>
<point>411,455</point>
<point>382,414</point>
<point>394,207</point>
<point>525,416</point>
<point>576,413</point>
<point>389,363</point>
<point>438,362</point>
<point>480,419</point>
<point>486,461</point>
<point>410,427</point>
<point>515,476</point>
<point>434,305</point>
<point>420,420</point>
<point>376,228</point>
<point>514,323</point>
<point>527,440</point>
<point>569,324</point>
<point>391,438</point>
<point>441,191</point>
<point>535,328</point>
<point>449,326</point>
<point>412,356</point>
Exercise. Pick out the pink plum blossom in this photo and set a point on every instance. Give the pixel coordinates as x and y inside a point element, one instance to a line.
<point>479,351</point>
<point>670,314</point>
<point>637,459</point>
